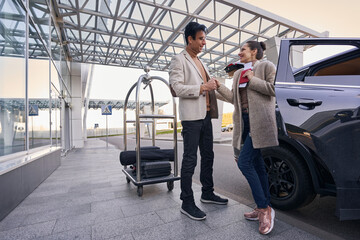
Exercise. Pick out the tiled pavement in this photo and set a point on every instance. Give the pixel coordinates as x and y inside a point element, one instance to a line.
<point>87,197</point>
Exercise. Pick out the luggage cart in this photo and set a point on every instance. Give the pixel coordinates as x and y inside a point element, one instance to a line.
<point>137,179</point>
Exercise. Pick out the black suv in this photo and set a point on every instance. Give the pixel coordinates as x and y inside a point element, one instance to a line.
<point>318,116</point>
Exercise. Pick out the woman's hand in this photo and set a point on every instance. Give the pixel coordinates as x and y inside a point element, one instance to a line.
<point>249,74</point>
<point>217,83</point>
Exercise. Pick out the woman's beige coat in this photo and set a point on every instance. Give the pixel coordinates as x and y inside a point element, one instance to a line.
<point>261,102</point>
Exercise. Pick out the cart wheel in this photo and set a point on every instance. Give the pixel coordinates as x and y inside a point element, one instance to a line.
<point>127,180</point>
<point>170,185</point>
<point>140,191</point>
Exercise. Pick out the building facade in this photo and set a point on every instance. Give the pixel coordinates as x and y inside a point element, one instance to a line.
<point>35,99</point>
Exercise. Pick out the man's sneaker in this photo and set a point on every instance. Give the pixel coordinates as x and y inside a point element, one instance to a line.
<point>252,216</point>
<point>213,199</point>
<point>266,219</point>
<point>193,212</point>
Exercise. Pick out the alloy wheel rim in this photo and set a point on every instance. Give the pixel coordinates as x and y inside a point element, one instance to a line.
<point>282,182</point>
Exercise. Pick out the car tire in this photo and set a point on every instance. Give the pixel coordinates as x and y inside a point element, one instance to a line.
<point>289,179</point>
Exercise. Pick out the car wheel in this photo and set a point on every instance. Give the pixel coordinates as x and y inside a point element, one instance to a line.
<point>289,179</point>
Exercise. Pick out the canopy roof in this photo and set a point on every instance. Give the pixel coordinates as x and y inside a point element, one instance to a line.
<point>147,32</point>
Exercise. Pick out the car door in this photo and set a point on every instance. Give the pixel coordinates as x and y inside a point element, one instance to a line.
<point>320,106</point>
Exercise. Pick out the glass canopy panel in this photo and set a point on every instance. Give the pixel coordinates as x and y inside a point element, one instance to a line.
<point>144,23</point>
<point>194,5</point>
<point>222,10</point>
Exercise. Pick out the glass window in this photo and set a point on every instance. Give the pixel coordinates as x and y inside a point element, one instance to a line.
<point>303,55</point>
<point>12,78</point>
<point>55,117</point>
<point>55,80</point>
<point>326,64</point>
<point>65,73</point>
<point>38,91</point>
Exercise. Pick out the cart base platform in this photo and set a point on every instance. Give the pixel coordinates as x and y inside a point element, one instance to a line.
<point>146,181</point>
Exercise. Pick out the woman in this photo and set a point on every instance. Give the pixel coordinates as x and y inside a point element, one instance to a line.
<point>254,126</point>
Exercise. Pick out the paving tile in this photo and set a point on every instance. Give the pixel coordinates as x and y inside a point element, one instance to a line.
<point>87,219</point>
<point>104,206</point>
<point>50,187</point>
<point>28,232</point>
<point>126,225</point>
<point>170,214</point>
<point>93,198</point>
<point>181,229</point>
<point>226,216</point>
<point>57,214</point>
<point>85,187</point>
<point>78,221</point>
<point>111,214</point>
<point>34,199</point>
<point>78,234</point>
<point>122,237</point>
<point>47,206</point>
<point>294,234</point>
<point>50,192</point>
<point>123,187</point>
<point>237,230</point>
<point>12,221</point>
<point>149,206</point>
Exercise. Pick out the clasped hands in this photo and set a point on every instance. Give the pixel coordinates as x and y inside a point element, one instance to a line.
<point>212,84</point>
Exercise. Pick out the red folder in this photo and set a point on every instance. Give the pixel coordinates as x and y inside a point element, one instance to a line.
<point>242,78</point>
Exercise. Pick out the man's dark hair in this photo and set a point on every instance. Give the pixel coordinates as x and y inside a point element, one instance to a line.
<point>192,28</point>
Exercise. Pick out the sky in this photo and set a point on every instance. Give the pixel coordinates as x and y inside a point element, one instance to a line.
<point>340,19</point>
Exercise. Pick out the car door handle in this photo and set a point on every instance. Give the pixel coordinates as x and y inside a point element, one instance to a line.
<point>305,102</point>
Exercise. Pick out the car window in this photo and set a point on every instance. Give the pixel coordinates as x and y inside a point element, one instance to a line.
<point>303,55</point>
<point>347,67</point>
<point>332,65</point>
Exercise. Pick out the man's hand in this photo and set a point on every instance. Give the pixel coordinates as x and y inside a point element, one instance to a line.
<point>217,83</point>
<point>210,85</point>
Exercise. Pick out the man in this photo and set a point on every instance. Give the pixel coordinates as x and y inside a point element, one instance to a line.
<point>189,80</point>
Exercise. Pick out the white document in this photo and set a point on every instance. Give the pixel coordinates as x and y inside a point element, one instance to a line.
<point>247,65</point>
<point>242,85</point>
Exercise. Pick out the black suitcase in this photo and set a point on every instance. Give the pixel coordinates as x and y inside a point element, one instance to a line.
<point>151,169</point>
<point>147,153</point>
<point>155,169</point>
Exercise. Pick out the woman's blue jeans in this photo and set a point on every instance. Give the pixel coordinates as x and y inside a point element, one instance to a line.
<point>252,166</point>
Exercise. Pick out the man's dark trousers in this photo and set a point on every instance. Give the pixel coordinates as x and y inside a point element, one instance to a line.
<point>197,134</point>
